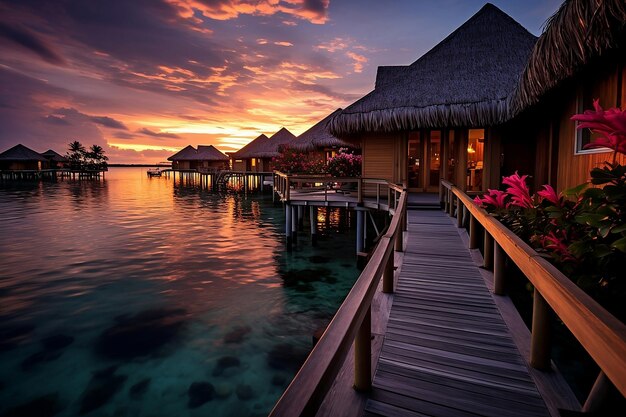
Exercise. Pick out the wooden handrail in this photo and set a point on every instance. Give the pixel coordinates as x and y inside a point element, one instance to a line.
<point>601,334</point>
<point>309,387</point>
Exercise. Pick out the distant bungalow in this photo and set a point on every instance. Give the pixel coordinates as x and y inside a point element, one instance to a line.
<point>319,143</point>
<point>21,158</point>
<point>201,159</point>
<point>257,155</point>
<point>490,99</point>
<point>55,160</point>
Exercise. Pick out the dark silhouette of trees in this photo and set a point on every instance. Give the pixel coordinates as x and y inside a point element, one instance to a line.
<point>82,159</point>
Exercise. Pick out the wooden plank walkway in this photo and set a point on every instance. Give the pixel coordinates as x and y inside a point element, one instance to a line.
<point>447,350</point>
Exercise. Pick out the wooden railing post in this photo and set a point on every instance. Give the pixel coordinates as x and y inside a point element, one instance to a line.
<point>363,354</point>
<point>451,206</point>
<point>473,232</point>
<point>360,191</point>
<point>287,188</point>
<point>488,251</point>
<point>598,395</point>
<point>540,337</point>
<point>388,275</point>
<point>498,269</point>
<point>399,236</point>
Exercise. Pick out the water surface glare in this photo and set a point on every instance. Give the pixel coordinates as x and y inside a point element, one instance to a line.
<point>137,296</point>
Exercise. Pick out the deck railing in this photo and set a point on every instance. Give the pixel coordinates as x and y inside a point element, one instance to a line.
<point>384,190</point>
<point>351,323</point>
<point>601,334</point>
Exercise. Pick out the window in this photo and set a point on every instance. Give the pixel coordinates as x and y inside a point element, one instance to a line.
<point>253,162</point>
<point>598,87</point>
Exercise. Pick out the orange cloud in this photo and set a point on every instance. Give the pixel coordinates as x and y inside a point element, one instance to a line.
<point>283,43</point>
<point>231,9</point>
<point>359,60</point>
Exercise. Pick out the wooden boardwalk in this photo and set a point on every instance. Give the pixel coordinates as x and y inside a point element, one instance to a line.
<point>447,350</point>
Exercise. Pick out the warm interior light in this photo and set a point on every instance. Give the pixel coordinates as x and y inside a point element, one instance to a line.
<point>470,149</point>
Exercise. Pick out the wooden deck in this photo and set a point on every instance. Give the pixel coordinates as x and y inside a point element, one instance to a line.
<point>447,350</point>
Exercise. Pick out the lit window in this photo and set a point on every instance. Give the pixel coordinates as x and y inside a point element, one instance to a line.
<point>584,101</point>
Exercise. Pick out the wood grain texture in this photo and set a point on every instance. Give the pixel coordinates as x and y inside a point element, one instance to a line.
<point>447,350</point>
<point>601,334</point>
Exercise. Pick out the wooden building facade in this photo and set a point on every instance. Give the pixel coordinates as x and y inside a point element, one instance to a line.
<point>492,99</point>
<point>441,116</point>
<point>592,65</point>
<point>22,158</point>
<point>205,158</point>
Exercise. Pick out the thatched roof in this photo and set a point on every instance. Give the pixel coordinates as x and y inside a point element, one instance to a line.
<point>589,28</point>
<point>465,80</point>
<point>51,155</point>
<point>21,153</point>
<point>319,136</point>
<point>264,147</point>
<point>203,153</point>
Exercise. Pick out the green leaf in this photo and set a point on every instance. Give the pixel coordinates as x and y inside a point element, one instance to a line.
<point>574,191</point>
<point>591,219</point>
<point>619,229</point>
<point>594,193</point>
<point>620,244</point>
<point>604,230</point>
<point>601,251</point>
<point>579,248</point>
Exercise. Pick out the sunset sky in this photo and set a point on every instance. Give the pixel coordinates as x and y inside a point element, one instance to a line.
<point>144,78</point>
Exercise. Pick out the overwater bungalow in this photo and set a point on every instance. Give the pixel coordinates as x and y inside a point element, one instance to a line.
<point>205,158</point>
<point>318,143</point>
<point>257,155</point>
<point>55,160</point>
<point>441,117</point>
<point>580,57</point>
<point>22,158</point>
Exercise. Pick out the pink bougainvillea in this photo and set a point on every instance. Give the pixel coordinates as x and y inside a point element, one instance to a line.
<point>518,189</point>
<point>610,125</point>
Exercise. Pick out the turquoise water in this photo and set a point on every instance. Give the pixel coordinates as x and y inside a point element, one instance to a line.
<point>139,296</point>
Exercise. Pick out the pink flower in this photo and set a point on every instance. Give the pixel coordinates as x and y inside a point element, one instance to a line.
<point>549,194</point>
<point>518,190</point>
<point>609,124</point>
<point>556,242</point>
<point>495,198</point>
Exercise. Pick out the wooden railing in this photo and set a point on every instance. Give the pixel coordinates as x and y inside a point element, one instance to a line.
<point>385,191</point>
<point>351,323</point>
<point>601,334</point>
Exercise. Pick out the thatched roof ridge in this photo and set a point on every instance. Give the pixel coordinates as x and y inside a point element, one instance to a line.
<point>589,28</point>
<point>203,153</point>
<point>52,155</point>
<point>266,148</point>
<point>319,136</point>
<point>184,154</point>
<point>465,80</point>
<point>210,153</point>
<point>21,153</point>
<point>249,148</point>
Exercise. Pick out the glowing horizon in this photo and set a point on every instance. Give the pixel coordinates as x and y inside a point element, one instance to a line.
<point>143,81</point>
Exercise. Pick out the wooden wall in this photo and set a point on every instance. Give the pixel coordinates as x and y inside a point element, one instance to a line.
<point>384,156</point>
<point>607,85</point>
<point>239,164</point>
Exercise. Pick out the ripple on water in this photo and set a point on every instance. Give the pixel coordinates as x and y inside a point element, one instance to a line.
<point>118,297</point>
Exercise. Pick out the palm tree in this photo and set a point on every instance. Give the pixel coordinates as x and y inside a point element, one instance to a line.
<point>97,156</point>
<point>76,154</point>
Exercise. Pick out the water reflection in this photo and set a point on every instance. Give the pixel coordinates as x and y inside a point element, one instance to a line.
<point>151,291</point>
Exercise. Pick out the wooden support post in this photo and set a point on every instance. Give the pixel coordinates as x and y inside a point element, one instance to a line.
<point>300,217</point>
<point>313,222</point>
<point>388,275</point>
<point>399,237</point>
<point>294,224</point>
<point>459,213</point>
<point>540,337</point>
<point>363,354</point>
<point>473,233</point>
<point>288,226</point>
<point>451,204</point>
<point>598,395</point>
<point>488,251</point>
<point>360,220</point>
<point>498,269</point>
<point>360,191</point>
